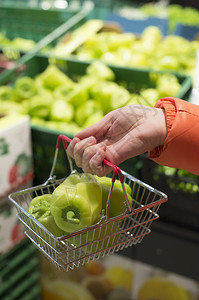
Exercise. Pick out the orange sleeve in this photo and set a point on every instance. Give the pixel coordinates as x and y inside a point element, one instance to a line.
<point>181,147</point>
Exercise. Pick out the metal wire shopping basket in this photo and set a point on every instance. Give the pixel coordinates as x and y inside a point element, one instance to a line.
<point>109,235</point>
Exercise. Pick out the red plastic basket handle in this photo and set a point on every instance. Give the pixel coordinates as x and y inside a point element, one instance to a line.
<point>116,169</point>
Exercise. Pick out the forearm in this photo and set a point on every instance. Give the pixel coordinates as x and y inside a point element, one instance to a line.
<point>181,147</point>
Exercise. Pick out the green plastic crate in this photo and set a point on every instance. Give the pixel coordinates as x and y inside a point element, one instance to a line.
<point>100,7</point>
<point>77,18</point>
<point>31,23</point>
<point>20,273</point>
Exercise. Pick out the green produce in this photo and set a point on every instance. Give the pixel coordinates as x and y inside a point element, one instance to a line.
<point>150,38</point>
<point>77,96</point>
<point>62,91</point>
<point>38,106</point>
<point>94,118</point>
<point>150,96</point>
<point>78,37</point>
<point>103,92</point>
<point>52,77</point>
<point>23,44</point>
<point>61,111</point>
<point>116,206</point>
<point>55,101</point>
<point>77,202</point>
<point>88,82</point>
<point>178,179</point>
<point>167,85</point>
<point>6,93</point>
<point>3,39</point>
<point>86,110</point>
<point>39,208</point>
<point>71,127</point>
<point>150,50</point>
<point>100,70</point>
<point>183,15</point>
<point>10,107</point>
<point>120,98</point>
<point>24,88</point>
<point>102,237</point>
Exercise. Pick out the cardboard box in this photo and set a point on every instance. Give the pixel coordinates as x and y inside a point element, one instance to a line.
<point>16,165</point>
<point>11,229</point>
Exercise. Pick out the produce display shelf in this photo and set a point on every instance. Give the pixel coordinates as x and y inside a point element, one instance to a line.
<point>19,272</point>
<point>44,139</point>
<point>139,76</point>
<point>77,17</point>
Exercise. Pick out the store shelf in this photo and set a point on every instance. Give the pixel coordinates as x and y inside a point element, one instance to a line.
<point>44,140</point>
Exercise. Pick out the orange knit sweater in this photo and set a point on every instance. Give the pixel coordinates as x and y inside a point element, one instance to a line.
<point>181,147</point>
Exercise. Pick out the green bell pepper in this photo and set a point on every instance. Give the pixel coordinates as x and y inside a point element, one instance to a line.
<point>6,93</point>
<point>39,208</point>
<point>117,200</point>
<point>77,202</point>
<point>52,77</point>
<point>100,238</point>
<point>24,88</point>
<point>100,70</point>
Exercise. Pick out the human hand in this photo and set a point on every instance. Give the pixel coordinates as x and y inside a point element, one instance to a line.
<point>120,135</point>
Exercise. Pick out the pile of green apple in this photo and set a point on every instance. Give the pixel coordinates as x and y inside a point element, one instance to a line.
<point>54,100</point>
<point>150,50</point>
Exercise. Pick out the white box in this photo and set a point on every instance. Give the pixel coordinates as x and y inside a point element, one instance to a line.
<point>16,165</point>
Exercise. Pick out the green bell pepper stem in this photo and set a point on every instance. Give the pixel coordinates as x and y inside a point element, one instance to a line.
<point>70,217</point>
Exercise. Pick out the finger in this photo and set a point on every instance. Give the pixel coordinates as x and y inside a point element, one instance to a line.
<point>93,160</point>
<point>71,146</point>
<point>97,130</point>
<point>98,166</point>
<point>89,153</point>
<point>80,148</point>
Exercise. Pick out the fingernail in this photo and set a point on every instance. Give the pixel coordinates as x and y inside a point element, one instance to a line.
<point>91,139</point>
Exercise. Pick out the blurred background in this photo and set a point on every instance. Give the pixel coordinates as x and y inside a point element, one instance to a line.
<point>63,66</point>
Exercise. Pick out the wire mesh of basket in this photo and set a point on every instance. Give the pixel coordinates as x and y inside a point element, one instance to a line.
<point>107,236</point>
